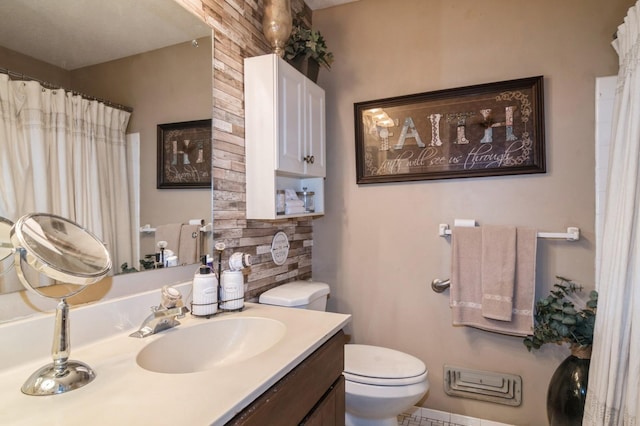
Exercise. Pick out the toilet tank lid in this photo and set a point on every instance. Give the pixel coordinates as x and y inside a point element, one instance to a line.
<point>295,293</point>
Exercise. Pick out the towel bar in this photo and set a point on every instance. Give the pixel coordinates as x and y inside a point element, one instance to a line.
<point>147,229</point>
<point>438,285</point>
<point>572,234</point>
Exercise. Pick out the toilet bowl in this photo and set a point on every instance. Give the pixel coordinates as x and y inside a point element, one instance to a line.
<point>380,383</point>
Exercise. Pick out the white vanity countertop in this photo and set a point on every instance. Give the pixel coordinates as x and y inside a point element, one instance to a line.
<point>125,394</point>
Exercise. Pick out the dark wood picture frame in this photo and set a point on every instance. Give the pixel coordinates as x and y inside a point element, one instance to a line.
<point>483,130</point>
<point>184,154</point>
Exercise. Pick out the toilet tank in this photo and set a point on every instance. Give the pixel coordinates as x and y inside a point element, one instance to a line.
<point>298,294</point>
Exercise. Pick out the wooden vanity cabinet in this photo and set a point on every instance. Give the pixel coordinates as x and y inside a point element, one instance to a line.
<point>312,394</point>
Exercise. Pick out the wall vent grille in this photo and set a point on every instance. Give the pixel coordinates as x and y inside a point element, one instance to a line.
<point>483,385</point>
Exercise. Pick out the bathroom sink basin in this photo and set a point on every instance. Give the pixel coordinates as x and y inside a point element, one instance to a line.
<point>219,342</point>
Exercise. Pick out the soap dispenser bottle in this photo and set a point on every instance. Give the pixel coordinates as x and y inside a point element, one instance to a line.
<point>205,291</point>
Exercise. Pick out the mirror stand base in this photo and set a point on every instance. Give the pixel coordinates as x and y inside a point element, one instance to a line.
<point>49,381</point>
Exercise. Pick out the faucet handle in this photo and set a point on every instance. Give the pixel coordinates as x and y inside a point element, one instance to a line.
<point>183,311</point>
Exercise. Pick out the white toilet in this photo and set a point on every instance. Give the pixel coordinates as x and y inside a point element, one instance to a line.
<point>380,383</point>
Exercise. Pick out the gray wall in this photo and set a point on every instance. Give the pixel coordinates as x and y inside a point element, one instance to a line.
<point>378,245</point>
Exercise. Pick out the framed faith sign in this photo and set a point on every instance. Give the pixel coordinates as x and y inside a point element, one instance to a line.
<point>483,130</point>
<point>184,155</point>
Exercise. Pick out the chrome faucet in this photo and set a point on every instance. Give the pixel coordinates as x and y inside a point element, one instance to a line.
<point>164,316</point>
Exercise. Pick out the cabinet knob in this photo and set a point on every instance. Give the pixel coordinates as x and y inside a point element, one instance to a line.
<point>309,159</point>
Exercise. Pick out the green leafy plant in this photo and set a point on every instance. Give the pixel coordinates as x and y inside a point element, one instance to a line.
<point>558,321</point>
<point>126,269</point>
<point>308,43</point>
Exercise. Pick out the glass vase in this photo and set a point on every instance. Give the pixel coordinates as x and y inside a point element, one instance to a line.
<point>277,23</point>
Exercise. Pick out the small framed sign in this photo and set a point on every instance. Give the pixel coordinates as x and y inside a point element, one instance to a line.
<point>280,248</point>
<point>484,130</point>
<point>184,154</point>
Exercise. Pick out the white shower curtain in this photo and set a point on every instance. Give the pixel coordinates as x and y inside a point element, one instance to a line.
<point>613,396</point>
<point>63,154</point>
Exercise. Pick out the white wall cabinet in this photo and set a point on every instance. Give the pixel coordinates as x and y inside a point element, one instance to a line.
<point>284,135</point>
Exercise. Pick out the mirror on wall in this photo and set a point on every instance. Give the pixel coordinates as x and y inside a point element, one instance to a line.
<point>151,55</point>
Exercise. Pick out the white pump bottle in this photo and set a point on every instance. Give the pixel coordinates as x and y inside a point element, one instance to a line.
<point>205,292</point>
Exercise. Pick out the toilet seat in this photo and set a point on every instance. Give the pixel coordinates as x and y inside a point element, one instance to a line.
<point>374,365</point>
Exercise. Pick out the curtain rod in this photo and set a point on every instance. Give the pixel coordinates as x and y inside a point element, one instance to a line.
<point>19,76</point>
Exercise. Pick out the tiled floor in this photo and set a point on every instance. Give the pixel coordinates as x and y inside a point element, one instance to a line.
<point>417,420</point>
<point>417,416</point>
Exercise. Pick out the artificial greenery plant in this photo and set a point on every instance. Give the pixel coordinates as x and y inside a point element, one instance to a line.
<point>307,43</point>
<point>557,320</point>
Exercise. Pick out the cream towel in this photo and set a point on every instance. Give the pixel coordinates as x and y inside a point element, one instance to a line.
<point>294,203</point>
<point>189,248</point>
<point>498,271</point>
<point>294,210</point>
<point>466,289</point>
<point>169,233</point>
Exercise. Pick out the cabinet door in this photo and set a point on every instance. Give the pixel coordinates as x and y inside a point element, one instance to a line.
<point>290,120</point>
<point>330,410</point>
<point>315,131</point>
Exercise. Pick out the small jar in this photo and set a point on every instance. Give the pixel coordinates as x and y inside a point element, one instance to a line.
<point>307,198</point>
<point>280,201</point>
<point>232,291</point>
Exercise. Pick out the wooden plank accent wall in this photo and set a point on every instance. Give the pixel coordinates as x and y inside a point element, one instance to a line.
<point>237,30</point>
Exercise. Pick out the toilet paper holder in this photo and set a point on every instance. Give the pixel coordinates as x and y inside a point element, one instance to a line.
<point>439,285</point>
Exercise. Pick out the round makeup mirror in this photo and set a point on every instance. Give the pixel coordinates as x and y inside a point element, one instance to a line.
<point>73,258</point>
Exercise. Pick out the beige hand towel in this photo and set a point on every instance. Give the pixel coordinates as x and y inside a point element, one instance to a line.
<point>524,291</point>
<point>498,271</point>
<point>466,289</point>
<point>189,249</point>
<point>169,233</point>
